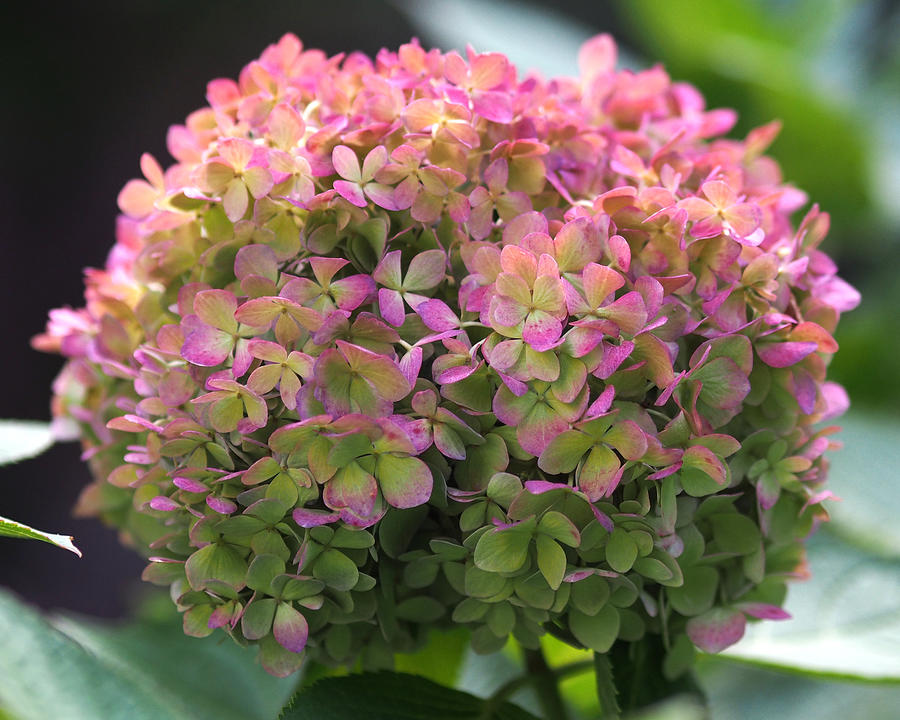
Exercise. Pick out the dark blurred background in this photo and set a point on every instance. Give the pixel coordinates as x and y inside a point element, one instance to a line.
<point>88,87</point>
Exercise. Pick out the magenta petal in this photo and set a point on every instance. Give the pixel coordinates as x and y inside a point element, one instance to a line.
<point>764,611</point>
<point>437,315</point>
<point>352,292</point>
<point>628,312</point>
<point>411,364</point>
<point>290,628</point>
<point>351,192</point>
<point>163,503</point>
<point>306,518</point>
<point>390,302</point>
<point>541,330</point>
<point>190,485</point>
<point>784,354</point>
<point>221,505</point>
<point>494,106</point>
<point>538,487</point>
<point>613,357</point>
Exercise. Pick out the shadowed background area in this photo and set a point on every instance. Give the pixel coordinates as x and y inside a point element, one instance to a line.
<point>88,89</point>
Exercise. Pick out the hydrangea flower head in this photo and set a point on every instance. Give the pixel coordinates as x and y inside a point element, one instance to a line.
<point>417,340</point>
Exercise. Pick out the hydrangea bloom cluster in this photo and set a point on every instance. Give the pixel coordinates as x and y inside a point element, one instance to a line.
<point>414,341</point>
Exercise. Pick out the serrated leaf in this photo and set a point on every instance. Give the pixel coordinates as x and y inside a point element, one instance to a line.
<point>11,528</point>
<point>392,696</point>
<point>23,439</point>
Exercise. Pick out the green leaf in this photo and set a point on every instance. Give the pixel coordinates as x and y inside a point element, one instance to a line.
<point>262,572</point>
<point>393,696</point>
<point>421,609</point>
<point>590,594</point>
<point>697,594</point>
<point>621,550</point>
<point>597,632</point>
<point>504,550</point>
<point>551,559</point>
<point>735,533</point>
<point>23,439</point>
<point>846,618</point>
<point>215,562</point>
<point>559,527</point>
<point>336,570</point>
<point>80,670</point>
<point>11,528</point>
<point>256,622</point>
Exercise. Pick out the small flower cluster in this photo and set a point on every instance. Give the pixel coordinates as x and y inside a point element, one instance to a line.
<point>413,341</point>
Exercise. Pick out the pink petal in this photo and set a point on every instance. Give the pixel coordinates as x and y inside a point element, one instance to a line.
<point>346,164</point>
<point>600,282</point>
<point>222,506</point>
<point>258,181</point>
<point>390,303</point>
<point>716,629</point>
<point>507,312</point>
<point>216,308</point>
<point>388,272</point>
<point>352,292</point>
<point>719,193</point>
<point>290,628</point>
<point>785,354</point>
<point>437,315</point>
<point>351,192</point>
<point>763,611</point>
<point>137,199</point>
<point>597,57</point>
<point>541,330</point>
<point>744,218</point>
<point>495,106</point>
<point>207,346</point>
<point>307,518</point>
<point>164,504</point>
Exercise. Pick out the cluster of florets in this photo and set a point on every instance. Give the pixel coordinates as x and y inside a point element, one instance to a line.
<point>410,342</point>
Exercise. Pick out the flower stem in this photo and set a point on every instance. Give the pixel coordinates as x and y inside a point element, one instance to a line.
<point>544,680</point>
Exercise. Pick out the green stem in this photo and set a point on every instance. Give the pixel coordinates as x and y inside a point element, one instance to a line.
<point>606,688</point>
<point>549,697</point>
